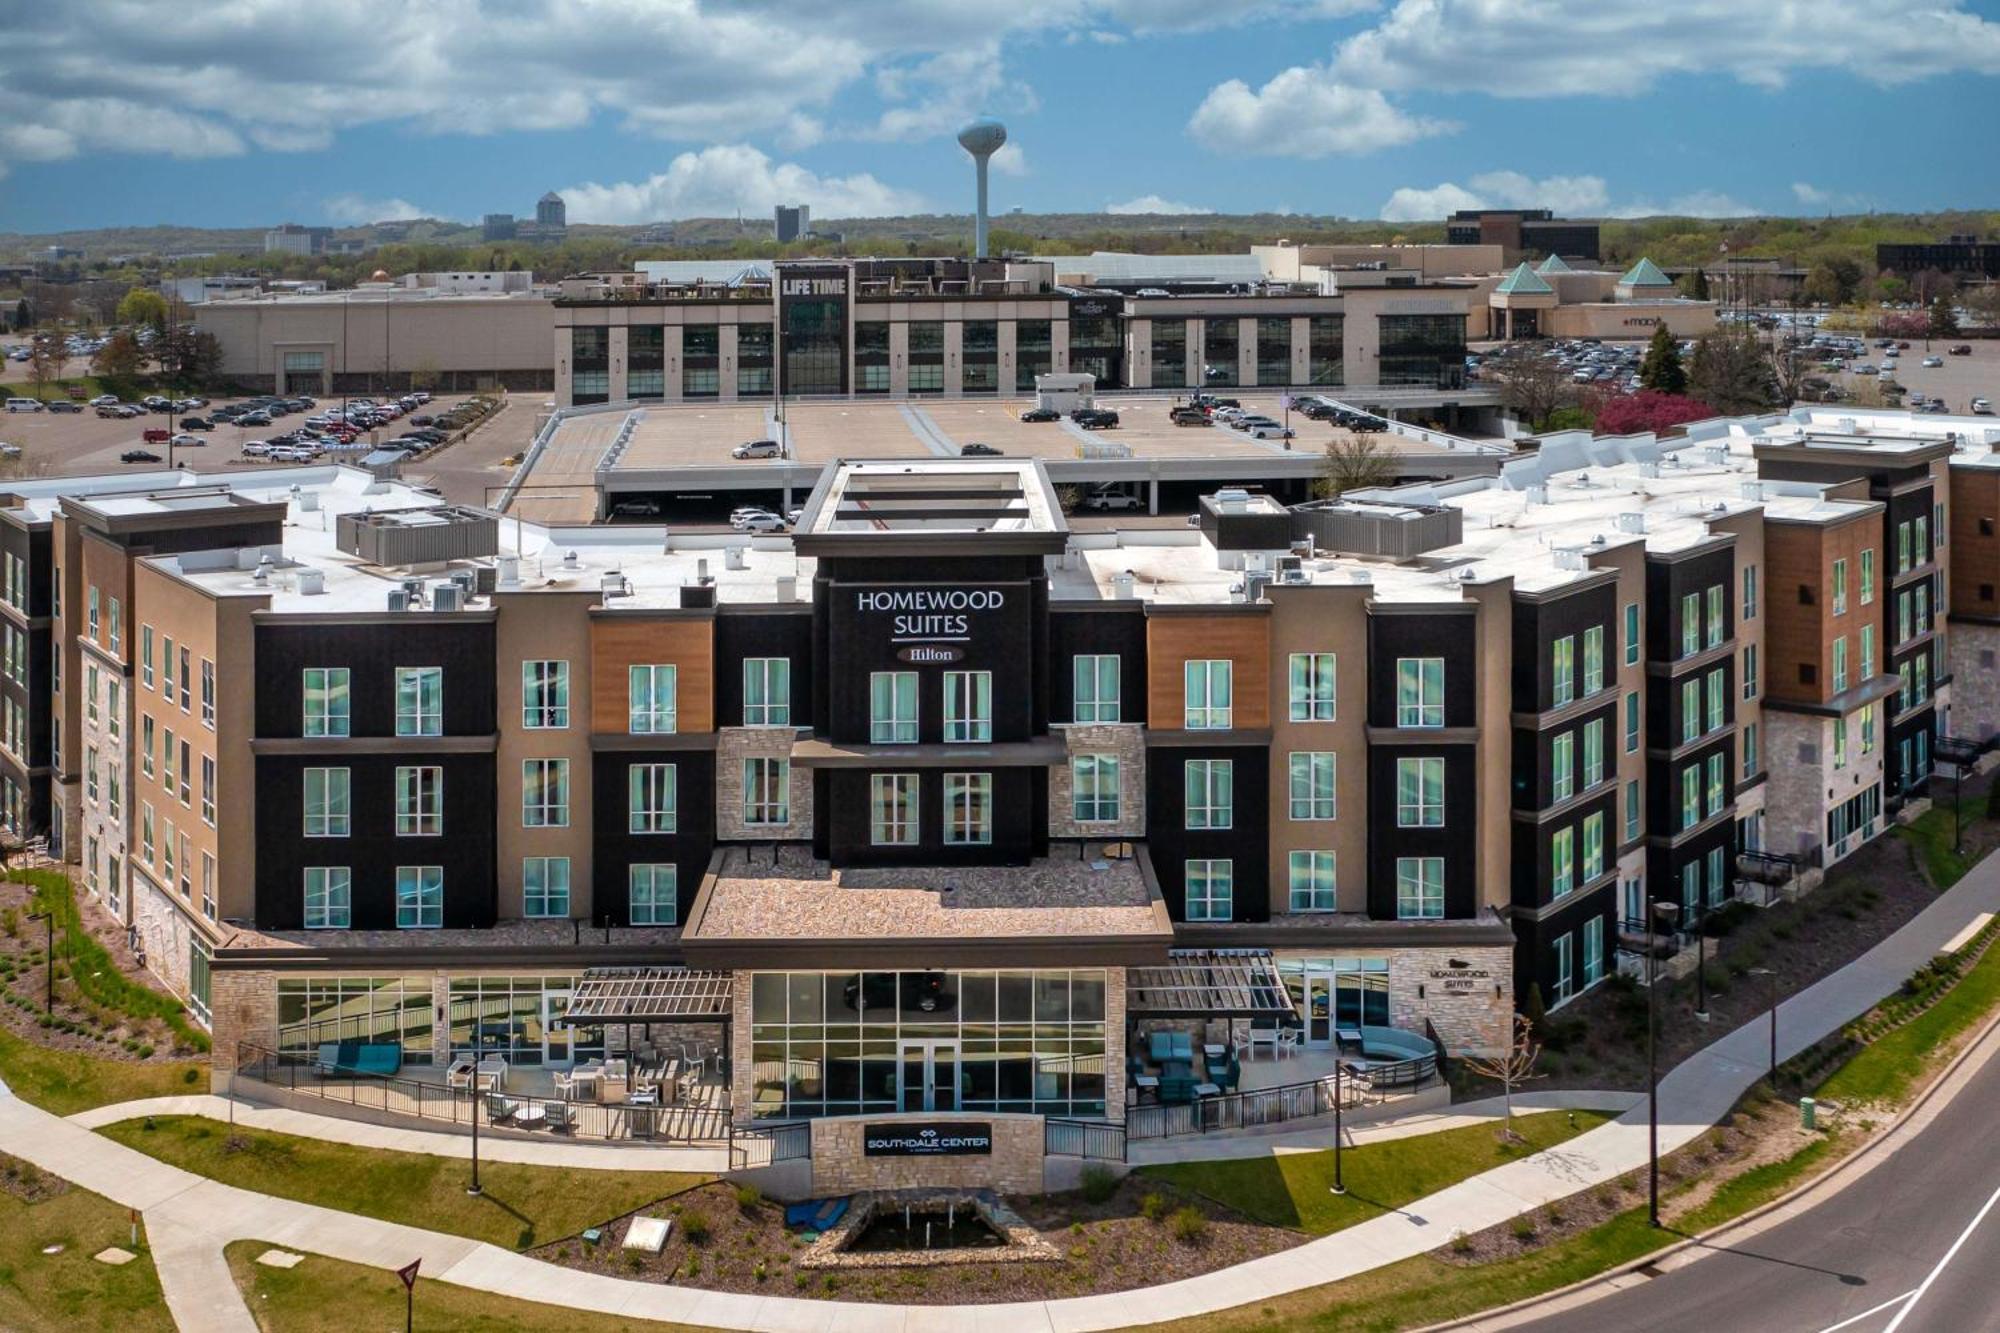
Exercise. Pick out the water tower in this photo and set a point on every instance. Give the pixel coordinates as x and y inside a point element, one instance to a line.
<point>981,138</point>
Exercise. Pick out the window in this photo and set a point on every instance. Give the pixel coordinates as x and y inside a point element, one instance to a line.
<point>1420,888</point>
<point>1690,796</point>
<point>1593,659</point>
<point>1632,722</point>
<point>650,700</point>
<point>326,701</point>
<point>329,897</point>
<point>1562,767</point>
<point>90,773</point>
<point>1902,567</point>
<point>1210,890</point>
<point>1690,709</point>
<point>1867,653</point>
<point>1717,773</point>
<point>1593,753</point>
<point>1715,616</point>
<point>1420,793</point>
<point>112,792</point>
<point>167,669</point>
<point>1631,634</point>
<point>545,886</point>
<point>892,708</point>
<point>1593,951</point>
<point>327,808</point>
<point>419,802</point>
<point>1565,985</point>
<point>1208,784</point>
<point>1562,862</point>
<point>968,706</point>
<point>767,691</point>
<point>1840,587</point>
<point>208,886</point>
<point>1749,592</point>
<point>545,793</point>
<point>1312,784</point>
<point>90,687</point>
<point>1749,670</point>
<point>1094,787</point>
<point>1420,691</point>
<point>1312,882</point>
<point>145,656</point>
<point>419,701</point>
<point>544,695</point>
<point>1749,750</point>
<point>117,627</point>
<point>1593,846</point>
<point>187,677</point>
<point>1868,729</point>
<point>146,833</point>
<point>892,809</point>
<point>1096,678</point>
<point>1690,889</point>
<point>968,809</point>
<point>1563,670</point>
<point>1716,691</point>
<point>208,790</point>
<point>1690,624</point>
<point>653,798</point>
<point>652,893</point>
<point>419,897</point>
<point>1840,742</point>
<point>1921,541</point>
<point>187,774</point>
<point>1312,687</point>
<point>767,791</point>
<point>167,782</point>
<point>208,694</point>
<point>1867,576</point>
<point>94,608</point>
<point>1718,875</point>
<point>1206,694</point>
<point>114,707</point>
<point>1840,665</point>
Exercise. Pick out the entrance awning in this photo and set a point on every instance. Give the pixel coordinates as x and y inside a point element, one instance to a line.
<point>1209,983</point>
<point>649,995</point>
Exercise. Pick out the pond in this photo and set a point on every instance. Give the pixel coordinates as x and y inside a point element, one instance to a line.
<point>950,1228</point>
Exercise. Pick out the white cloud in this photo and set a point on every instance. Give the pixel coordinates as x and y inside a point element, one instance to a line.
<point>1410,204</point>
<point>1152,203</point>
<point>1573,196</point>
<point>354,210</point>
<point>718,181</point>
<point>1304,112</point>
<point>1010,160</point>
<point>1696,204</point>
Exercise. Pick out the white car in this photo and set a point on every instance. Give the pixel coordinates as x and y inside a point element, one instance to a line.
<point>1982,408</point>
<point>757,449</point>
<point>105,400</point>
<point>760,523</point>
<point>1107,501</point>
<point>24,404</point>
<point>1269,431</point>
<point>187,440</point>
<point>258,448</point>
<point>1932,362</point>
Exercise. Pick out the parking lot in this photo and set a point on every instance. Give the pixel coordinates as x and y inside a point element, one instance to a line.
<point>1958,381</point>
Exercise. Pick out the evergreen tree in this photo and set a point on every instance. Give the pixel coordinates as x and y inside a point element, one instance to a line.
<point>23,316</point>
<point>1698,284</point>
<point>1944,319</point>
<point>1662,369</point>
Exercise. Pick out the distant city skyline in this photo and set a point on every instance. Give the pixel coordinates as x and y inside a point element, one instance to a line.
<point>248,116</point>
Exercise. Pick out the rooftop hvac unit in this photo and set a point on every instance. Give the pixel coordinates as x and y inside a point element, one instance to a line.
<point>312,582</point>
<point>788,587</point>
<point>308,502</point>
<point>484,579</point>
<point>735,557</point>
<point>398,600</point>
<point>1122,585</point>
<point>446,597</point>
<point>467,582</point>
<point>1232,500</point>
<point>1715,454</point>
<point>1632,521</point>
<point>1289,564</point>
<point>614,584</point>
<point>1538,495</point>
<point>509,571</point>
<point>1753,490</point>
<point>414,590</point>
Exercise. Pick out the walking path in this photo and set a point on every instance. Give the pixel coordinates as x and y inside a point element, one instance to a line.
<point>189,1219</point>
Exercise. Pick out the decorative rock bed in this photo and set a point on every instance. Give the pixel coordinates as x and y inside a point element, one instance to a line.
<point>1020,1243</point>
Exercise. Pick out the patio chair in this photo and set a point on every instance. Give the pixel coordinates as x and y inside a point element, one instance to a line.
<point>1177,1089</point>
<point>1265,1038</point>
<point>1229,1075</point>
<point>562,1118</point>
<point>500,1109</point>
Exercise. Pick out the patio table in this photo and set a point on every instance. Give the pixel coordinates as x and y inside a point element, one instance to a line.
<point>1207,1090</point>
<point>458,1076</point>
<point>533,1115</point>
<point>492,1074</point>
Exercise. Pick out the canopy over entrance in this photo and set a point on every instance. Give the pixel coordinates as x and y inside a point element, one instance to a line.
<point>1210,983</point>
<point>649,995</point>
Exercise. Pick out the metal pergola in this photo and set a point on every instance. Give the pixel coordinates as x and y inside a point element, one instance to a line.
<point>1210,983</point>
<point>649,995</point>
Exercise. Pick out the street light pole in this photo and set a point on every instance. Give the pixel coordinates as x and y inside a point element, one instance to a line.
<point>473,1189</point>
<point>48,920</point>
<point>1772,973</point>
<point>1662,913</point>
<point>1700,962</point>
<point>1339,1185</point>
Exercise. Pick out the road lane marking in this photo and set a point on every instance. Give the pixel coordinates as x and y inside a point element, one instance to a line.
<point>1855,1319</point>
<point>1949,1254</point>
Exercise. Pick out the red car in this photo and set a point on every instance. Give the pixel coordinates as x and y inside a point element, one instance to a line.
<point>154,435</point>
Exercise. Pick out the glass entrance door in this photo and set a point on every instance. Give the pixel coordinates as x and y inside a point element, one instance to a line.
<point>1319,1009</point>
<point>929,1074</point>
<point>557,1037</point>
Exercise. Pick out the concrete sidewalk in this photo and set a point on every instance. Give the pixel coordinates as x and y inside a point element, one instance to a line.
<point>189,1219</point>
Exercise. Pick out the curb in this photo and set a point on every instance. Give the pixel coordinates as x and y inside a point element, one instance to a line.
<point>1864,1154</point>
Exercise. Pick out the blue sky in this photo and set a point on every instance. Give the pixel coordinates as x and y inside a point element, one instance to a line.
<point>137,112</point>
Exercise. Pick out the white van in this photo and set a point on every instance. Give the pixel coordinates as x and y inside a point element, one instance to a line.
<point>24,404</point>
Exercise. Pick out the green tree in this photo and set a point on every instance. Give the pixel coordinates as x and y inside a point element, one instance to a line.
<point>1833,281</point>
<point>1697,286</point>
<point>142,305</point>
<point>190,358</point>
<point>46,354</point>
<point>1662,368</point>
<point>1354,462</point>
<point>1731,372</point>
<point>1943,319</point>
<point>120,360</point>
<point>23,315</point>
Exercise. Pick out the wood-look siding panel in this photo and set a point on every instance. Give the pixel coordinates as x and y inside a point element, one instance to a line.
<point>1173,640</point>
<point>1796,634</point>
<point>617,645</point>
<point>1975,554</point>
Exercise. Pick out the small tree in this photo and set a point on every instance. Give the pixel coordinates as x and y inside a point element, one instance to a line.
<point>1697,287</point>
<point>1513,1066</point>
<point>46,355</point>
<point>1533,387</point>
<point>119,360</point>
<point>144,306</point>
<point>1354,462</point>
<point>1943,319</point>
<point>190,357</point>
<point>1647,410</point>
<point>1662,370</point>
<point>1731,372</point>
<point>23,315</point>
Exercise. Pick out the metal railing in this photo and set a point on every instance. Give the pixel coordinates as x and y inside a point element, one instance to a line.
<point>1097,1139</point>
<point>1274,1106</point>
<point>784,1141</point>
<point>395,1094</point>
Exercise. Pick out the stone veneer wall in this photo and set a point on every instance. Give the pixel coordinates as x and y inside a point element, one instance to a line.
<point>165,934</point>
<point>1973,652</point>
<point>1014,1166</point>
<point>1804,786</point>
<point>245,1008</point>
<point>732,746</point>
<point>1125,742</point>
<point>1476,1019</point>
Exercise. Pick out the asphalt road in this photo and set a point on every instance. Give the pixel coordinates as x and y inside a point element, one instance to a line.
<point>1912,1246</point>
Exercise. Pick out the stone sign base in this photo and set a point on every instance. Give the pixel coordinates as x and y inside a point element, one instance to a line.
<point>840,1165</point>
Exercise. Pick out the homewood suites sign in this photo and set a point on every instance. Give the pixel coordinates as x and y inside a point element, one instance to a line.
<point>963,1139</point>
<point>930,615</point>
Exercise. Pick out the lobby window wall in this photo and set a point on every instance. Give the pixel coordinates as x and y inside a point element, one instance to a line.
<point>1355,991</point>
<point>315,1010</point>
<point>701,361</point>
<point>589,365</point>
<point>1327,349</point>
<point>1034,352</point>
<point>1169,354</point>
<point>1219,351</point>
<point>871,356</point>
<point>646,362</point>
<point>753,360</point>
<point>1097,348</point>
<point>926,356</point>
<point>1274,351</point>
<point>815,347</point>
<point>516,1017</point>
<point>1426,350</point>
<point>981,356</point>
<point>844,1043</point>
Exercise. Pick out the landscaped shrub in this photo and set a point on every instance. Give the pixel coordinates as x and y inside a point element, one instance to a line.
<point>694,1225</point>
<point>1188,1225</point>
<point>1153,1207</point>
<point>748,1197</point>
<point>1098,1183</point>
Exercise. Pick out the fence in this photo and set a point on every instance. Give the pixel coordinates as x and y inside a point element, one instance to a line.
<point>1275,1106</point>
<point>765,1143</point>
<point>1096,1139</point>
<point>697,1125</point>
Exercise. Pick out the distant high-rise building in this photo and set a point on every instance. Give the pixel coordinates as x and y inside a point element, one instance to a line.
<point>1960,252</point>
<point>793,221</point>
<point>498,227</point>
<point>551,212</point>
<point>1522,232</point>
<point>293,239</point>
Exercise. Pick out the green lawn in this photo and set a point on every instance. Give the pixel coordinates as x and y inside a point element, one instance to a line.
<point>1293,1189</point>
<point>522,1205</point>
<point>65,1082</point>
<point>325,1295</point>
<point>1887,1068</point>
<point>71,1290</point>
<point>1931,834</point>
<point>1760,1184</point>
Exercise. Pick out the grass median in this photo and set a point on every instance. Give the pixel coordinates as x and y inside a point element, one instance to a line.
<point>1294,1189</point>
<point>1887,1069</point>
<point>65,1082</point>
<point>521,1205</point>
<point>68,1289</point>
